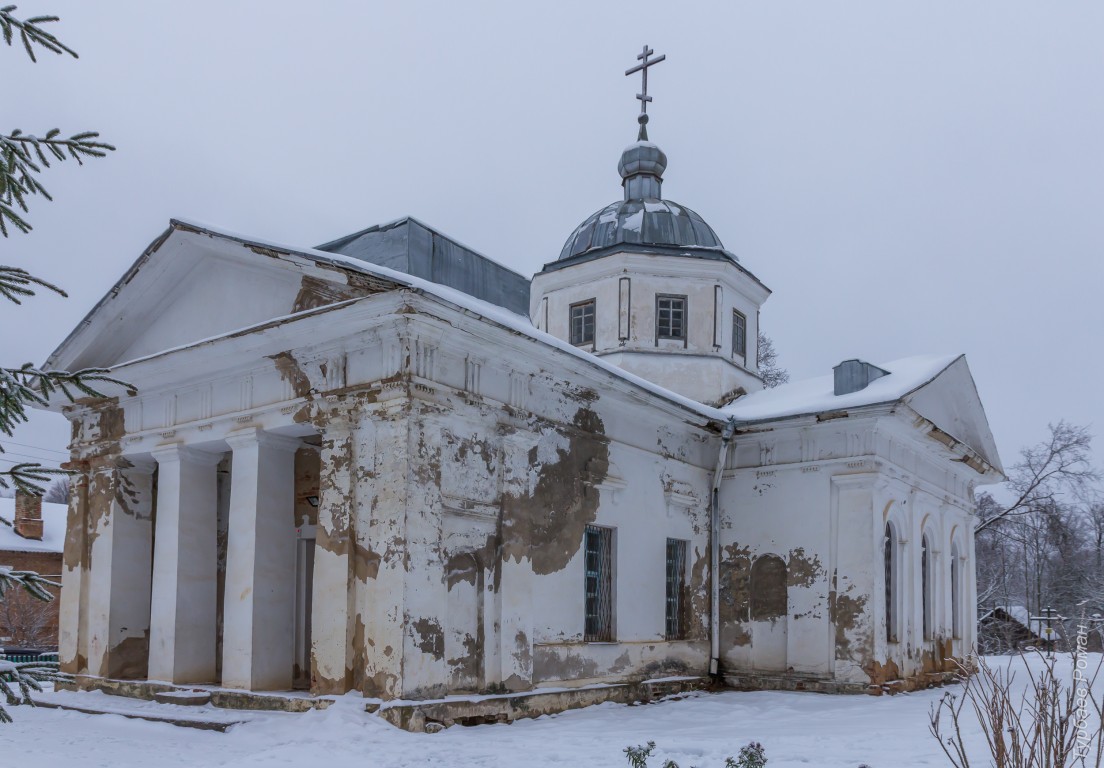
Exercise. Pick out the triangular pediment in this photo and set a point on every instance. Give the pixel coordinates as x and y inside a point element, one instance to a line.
<point>193,284</point>
<point>950,401</point>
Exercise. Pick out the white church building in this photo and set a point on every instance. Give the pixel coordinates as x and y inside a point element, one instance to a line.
<point>391,465</point>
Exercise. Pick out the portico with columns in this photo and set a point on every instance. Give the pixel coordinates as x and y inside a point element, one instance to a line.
<point>188,559</point>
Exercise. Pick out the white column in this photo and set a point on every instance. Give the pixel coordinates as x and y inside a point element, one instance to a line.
<point>258,629</point>
<point>119,577</point>
<point>72,639</point>
<point>334,591</point>
<point>184,603</point>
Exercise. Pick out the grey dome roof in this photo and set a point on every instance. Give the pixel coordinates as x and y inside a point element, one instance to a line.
<point>643,218</point>
<point>642,221</point>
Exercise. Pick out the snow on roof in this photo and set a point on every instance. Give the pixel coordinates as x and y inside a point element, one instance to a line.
<point>500,315</point>
<point>817,395</point>
<point>1020,615</point>
<point>53,529</point>
<point>808,396</point>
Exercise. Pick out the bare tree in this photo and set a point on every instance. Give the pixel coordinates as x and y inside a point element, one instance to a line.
<point>27,622</point>
<point>1046,548</point>
<point>1046,472</point>
<point>58,491</point>
<point>769,370</point>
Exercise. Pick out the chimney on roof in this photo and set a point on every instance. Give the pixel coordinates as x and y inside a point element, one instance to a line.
<point>28,515</point>
<point>853,375</point>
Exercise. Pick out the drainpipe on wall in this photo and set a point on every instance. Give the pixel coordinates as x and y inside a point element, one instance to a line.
<point>715,552</point>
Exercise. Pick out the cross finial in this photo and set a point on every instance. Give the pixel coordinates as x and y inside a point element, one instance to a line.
<point>642,68</point>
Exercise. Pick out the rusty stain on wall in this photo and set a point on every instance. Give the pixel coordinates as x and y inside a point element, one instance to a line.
<point>546,525</point>
<point>428,637</point>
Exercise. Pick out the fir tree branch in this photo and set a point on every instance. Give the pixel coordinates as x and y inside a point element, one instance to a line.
<point>31,33</point>
<point>28,580</point>
<point>22,387</point>
<point>38,385</point>
<point>16,283</point>
<point>30,478</point>
<point>23,156</point>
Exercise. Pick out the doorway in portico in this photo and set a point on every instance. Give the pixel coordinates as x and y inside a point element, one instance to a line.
<point>307,468</point>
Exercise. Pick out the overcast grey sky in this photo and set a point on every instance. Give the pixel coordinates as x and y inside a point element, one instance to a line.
<point>907,177</point>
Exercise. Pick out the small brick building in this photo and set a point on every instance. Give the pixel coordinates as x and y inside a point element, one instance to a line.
<point>33,542</point>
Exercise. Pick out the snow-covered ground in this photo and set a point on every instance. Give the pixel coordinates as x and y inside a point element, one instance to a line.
<point>797,729</point>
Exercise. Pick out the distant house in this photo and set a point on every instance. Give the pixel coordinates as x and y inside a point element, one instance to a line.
<point>1010,628</point>
<point>32,540</point>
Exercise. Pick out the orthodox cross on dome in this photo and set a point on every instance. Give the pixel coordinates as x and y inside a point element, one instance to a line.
<point>642,68</point>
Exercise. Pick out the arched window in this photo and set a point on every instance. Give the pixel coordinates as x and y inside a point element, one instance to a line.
<point>925,585</point>
<point>891,583</point>
<point>956,596</point>
<point>769,600</point>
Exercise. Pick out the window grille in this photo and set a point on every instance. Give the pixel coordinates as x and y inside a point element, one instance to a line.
<point>582,322</point>
<point>598,625</point>
<point>676,576</point>
<point>956,597</point>
<point>925,587</point>
<point>670,317</point>
<point>739,334</point>
<point>890,576</point>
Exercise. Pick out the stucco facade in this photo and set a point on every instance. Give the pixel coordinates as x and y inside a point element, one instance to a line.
<point>333,475</point>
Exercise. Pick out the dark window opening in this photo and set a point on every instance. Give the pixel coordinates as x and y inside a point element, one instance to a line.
<point>598,591</point>
<point>676,577</point>
<point>739,334</point>
<point>670,317</point>
<point>925,587</point>
<point>582,322</point>
<point>890,583</point>
<point>956,597</point>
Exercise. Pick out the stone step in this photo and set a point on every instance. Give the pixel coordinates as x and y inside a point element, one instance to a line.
<point>198,723</point>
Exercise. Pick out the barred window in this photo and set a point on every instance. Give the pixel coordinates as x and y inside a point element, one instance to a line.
<point>739,334</point>
<point>891,583</point>
<point>676,576</point>
<point>582,322</point>
<point>670,317</point>
<point>598,590</point>
<point>925,586</point>
<point>956,594</point>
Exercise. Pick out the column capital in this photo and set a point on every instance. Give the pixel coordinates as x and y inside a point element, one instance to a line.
<point>257,436</point>
<point>338,415</point>
<point>182,452</point>
<point>142,464</point>
<point>114,462</point>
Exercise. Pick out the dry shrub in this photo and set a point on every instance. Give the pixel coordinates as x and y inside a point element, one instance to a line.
<point>1054,721</point>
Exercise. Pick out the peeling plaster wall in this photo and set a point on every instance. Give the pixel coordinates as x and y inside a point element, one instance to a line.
<point>458,466</point>
<point>105,617</point>
<point>652,498</point>
<point>447,515</point>
<point>497,510</point>
<point>818,495</point>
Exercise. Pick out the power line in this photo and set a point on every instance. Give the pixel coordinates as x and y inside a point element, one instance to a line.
<point>24,459</point>
<point>36,447</point>
<point>30,456</point>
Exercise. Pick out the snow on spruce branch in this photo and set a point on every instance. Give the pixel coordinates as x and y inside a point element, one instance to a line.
<point>28,385</point>
<point>15,283</point>
<point>31,33</point>
<point>28,580</point>
<point>17,680</point>
<point>23,157</point>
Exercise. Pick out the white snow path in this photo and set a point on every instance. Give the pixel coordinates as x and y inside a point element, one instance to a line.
<point>797,729</point>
